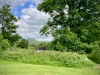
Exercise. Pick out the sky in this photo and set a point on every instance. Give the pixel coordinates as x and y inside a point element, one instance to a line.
<point>31,20</point>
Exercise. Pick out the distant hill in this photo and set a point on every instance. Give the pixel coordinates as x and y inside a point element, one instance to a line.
<point>33,41</point>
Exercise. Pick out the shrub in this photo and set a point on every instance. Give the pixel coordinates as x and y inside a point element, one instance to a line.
<point>60,47</point>
<point>54,58</point>
<point>16,55</point>
<point>95,55</point>
<point>69,41</point>
<point>23,44</point>
<point>4,44</point>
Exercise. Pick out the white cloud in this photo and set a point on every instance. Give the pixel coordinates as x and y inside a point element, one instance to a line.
<point>25,17</point>
<point>19,2</point>
<point>31,22</point>
<point>13,2</point>
<point>34,16</point>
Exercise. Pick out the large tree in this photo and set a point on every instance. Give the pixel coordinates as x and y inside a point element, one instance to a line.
<point>72,21</point>
<point>7,25</point>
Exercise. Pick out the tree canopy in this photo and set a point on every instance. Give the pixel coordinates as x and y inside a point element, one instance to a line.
<point>7,25</point>
<point>72,21</point>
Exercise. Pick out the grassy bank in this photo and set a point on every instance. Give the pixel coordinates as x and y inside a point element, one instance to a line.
<point>17,68</point>
<point>53,58</point>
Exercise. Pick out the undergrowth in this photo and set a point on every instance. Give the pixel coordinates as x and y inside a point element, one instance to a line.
<point>54,58</point>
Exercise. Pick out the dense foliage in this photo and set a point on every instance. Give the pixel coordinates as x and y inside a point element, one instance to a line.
<point>53,58</point>
<point>7,25</point>
<point>74,24</point>
<point>4,44</point>
<point>95,55</point>
<point>46,45</point>
<point>23,44</point>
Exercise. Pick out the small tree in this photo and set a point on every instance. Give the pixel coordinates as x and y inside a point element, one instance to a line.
<point>45,45</point>
<point>23,44</point>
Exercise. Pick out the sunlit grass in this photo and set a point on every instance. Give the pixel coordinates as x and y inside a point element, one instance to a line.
<point>16,68</point>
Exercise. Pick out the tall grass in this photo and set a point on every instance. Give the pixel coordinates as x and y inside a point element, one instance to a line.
<point>53,58</point>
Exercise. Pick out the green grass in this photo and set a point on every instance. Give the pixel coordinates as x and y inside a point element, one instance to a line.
<point>17,68</point>
<point>52,58</point>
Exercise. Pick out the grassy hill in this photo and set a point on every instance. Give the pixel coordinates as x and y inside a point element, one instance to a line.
<point>33,41</point>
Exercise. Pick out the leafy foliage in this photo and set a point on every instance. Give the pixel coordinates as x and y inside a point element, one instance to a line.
<point>7,25</point>
<point>23,44</point>
<point>75,24</point>
<point>46,45</point>
<point>4,44</point>
<point>48,58</point>
<point>95,55</point>
<point>68,41</point>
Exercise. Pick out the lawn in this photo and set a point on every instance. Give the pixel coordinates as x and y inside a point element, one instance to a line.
<point>17,68</point>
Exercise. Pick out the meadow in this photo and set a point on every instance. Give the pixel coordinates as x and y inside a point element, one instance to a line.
<point>18,68</point>
<point>30,62</point>
<point>52,58</point>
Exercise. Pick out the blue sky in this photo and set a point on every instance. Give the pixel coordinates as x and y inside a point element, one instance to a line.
<point>31,20</point>
<point>20,7</point>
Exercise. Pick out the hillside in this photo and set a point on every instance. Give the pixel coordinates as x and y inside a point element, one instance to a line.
<point>33,41</point>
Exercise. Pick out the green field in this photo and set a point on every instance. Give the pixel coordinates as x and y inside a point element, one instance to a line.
<point>17,68</point>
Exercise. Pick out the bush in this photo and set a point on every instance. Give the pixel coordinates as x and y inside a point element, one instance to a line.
<point>4,44</point>
<point>95,55</point>
<point>16,55</point>
<point>69,41</point>
<point>87,48</point>
<point>23,44</point>
<point>54,58</point>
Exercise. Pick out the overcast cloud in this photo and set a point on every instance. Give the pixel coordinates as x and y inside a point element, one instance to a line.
<point>31,20</point>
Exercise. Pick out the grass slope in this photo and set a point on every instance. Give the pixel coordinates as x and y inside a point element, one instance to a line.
<point>16,68</point>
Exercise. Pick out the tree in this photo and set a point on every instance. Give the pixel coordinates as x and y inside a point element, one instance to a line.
<point>78,17</point>
<point>45,46</point>
<point>23,44</point>
<point>7,25</point>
